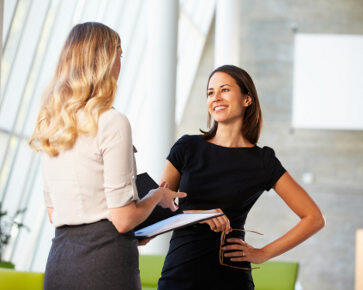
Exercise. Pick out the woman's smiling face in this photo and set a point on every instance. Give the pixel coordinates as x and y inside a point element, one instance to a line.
<point>224,98</point>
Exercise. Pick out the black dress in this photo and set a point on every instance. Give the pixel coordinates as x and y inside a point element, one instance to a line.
<point>214,177</point>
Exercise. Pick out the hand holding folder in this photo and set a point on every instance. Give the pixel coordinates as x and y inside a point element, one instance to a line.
<point>173,223</point>
<point>144,184</point>
<point>162,220</point>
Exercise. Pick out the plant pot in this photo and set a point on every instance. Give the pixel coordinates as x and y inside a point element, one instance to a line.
<point>7,265</point>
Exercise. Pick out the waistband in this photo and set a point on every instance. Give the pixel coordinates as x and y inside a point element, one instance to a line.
<point>101,226</point>
<point>205,230</point>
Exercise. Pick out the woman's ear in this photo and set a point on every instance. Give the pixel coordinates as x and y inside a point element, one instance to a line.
<point>247,100</point>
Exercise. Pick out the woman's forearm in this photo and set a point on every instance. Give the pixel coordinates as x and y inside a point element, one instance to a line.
<point>145,206</point>
<point>127,217</point>
<point>303,230</point>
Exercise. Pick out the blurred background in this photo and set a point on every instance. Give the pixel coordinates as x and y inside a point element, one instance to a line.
<point>305,57</point>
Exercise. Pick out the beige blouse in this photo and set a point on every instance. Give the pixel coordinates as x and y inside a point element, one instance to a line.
<point>97,173</point>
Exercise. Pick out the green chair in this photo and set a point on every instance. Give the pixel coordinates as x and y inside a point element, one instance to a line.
<point>272,275</point>
<point>275,275</point>
<point>17,280</point>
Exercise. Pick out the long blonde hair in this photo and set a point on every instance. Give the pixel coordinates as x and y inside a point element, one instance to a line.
<point>83,81</point>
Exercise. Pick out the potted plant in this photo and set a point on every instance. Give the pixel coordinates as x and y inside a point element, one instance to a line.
<point>6,225</point>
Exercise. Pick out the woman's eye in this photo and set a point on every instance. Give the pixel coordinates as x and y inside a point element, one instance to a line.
<point>210,93</point>
<point>225,90</point>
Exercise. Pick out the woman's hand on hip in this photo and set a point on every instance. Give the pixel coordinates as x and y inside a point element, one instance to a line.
<point>218,224</point>
<point>243,252</point>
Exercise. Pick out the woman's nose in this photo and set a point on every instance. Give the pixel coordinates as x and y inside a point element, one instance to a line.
<point>217,96</point>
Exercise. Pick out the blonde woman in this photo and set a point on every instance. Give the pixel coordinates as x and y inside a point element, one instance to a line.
<point>89,168</point>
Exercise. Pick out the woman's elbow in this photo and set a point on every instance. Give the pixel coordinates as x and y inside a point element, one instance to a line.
<point>123,228</point>
<point>322,222</point>
<point>123,218</point>
<point>319,222</point>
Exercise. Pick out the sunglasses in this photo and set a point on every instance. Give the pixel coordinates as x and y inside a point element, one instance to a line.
<point>221,251</point>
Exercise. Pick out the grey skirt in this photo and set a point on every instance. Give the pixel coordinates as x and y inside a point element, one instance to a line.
<point>94,257</point>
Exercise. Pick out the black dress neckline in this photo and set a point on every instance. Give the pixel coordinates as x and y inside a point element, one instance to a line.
<point>224,147</point>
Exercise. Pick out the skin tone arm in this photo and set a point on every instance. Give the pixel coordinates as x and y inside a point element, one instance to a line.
<point>127,217</point>
<point>171,176</point>
<point>302,205</point>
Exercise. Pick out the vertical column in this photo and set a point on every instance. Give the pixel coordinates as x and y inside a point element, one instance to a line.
<point>159,121</point>
<point>228,31</point>
<point>1,35</point>
<point>359,260</point>
<point>161,82</point>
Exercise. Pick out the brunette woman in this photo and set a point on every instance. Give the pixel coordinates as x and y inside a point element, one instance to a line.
<point>225,170</point>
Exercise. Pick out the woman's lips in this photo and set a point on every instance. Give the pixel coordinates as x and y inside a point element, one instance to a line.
<point>219,108</point>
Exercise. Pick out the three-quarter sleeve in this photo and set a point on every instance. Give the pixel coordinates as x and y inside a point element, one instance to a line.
<point>116,149</point>
<point>273,167</point>
<point>177,153</point>
<point>46,189</point>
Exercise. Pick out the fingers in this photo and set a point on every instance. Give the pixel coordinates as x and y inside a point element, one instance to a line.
<point>180,194</point>
<point>215,224</point>
<point>234,247</point>
<point>222,224</point>
<point>168,197</point>
<point>237,241</point>
<point>226,225</point>
<point>229,228</point>
<point>174,194</point>
<point>240,259</point>
<point>169,203</point>
<point>236,244</point>
<point>235,254</point>
<point>224,221</point>
<point>218,224</point>
<point>239,248</point>
<point>172,206</point>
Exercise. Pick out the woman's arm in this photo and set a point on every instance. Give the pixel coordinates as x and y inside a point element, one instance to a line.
<point>171,176</point>
<point>302,205</point>
<point>114,140</point>
<point>311,221</point>
<point>127,217</point>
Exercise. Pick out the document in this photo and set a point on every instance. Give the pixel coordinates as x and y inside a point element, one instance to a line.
<point>174,222</point>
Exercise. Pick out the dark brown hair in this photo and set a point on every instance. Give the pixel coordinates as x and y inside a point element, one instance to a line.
<point>252,119</point>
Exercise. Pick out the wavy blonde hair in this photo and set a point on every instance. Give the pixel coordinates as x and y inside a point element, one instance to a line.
<point>83,81</point>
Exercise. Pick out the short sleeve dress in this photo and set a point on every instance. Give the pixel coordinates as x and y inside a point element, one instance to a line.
<point>214,176</point>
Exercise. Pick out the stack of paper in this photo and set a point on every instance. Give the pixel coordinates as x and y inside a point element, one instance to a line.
<point>175,222</point>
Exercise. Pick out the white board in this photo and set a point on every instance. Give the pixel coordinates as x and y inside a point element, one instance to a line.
<point>328,82</point>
